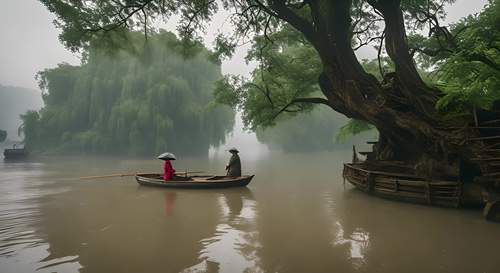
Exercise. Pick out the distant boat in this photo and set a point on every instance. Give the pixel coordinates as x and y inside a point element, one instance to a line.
<point>197,181</point>
<point>15,153</point>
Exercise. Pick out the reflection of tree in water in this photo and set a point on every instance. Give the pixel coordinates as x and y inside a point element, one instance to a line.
<point>396,237</point>
<point>114,228</point>
<point>354,242</point>
<point>234,244</point>
<point>358,242</point>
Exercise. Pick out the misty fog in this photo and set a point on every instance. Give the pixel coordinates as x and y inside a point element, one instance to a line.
<point>30,44</point>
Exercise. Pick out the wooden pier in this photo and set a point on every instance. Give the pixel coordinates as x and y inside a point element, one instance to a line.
<point>488,159</point>
<point>403,185</point>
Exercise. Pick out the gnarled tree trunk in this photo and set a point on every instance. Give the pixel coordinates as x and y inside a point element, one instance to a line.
<point>403,110</point>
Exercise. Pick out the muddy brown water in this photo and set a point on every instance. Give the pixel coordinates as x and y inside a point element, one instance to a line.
<point>295,216</point>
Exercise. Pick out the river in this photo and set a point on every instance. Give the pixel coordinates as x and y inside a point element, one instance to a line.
<point>295,216</point>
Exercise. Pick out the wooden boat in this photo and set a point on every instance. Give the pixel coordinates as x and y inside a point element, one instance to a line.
<point>196,181</point>
<point>407,187</point>
<point>15,154</point>
<point>400,183</point>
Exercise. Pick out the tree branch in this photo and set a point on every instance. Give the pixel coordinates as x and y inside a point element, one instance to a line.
<point>286,14</point>
<point>298,101</point>
<point>123,20</point>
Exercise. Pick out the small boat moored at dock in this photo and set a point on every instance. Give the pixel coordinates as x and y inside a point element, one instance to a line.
<point>15,153</point>
<point>395,180</point>
<point>197,181</point>
<point>406,187</point>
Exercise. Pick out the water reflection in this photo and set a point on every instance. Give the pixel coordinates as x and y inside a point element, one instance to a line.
<point>169,202</point>
<point>289,219</point>
<point>233,247</point>
<point>22,249</point>
<point>114,225</point>
<point>358,242</point>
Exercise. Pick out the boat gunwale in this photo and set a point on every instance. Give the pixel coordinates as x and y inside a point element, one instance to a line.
<point>149,181</point>
<point>423,191</point>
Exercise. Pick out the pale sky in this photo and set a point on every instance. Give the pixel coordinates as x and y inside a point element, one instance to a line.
<point>29,41</point>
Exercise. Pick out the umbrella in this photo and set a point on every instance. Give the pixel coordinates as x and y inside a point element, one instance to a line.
<point>167,156</point>
<point>233,150</point>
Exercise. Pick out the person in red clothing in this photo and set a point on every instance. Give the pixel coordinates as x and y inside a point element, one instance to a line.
<point>168,170</point>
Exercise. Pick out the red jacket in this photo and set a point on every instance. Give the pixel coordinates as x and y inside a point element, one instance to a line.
<point>168,170</point>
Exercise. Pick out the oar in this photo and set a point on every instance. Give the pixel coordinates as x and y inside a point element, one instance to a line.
<point>186,172</point>
<point>189,172</point>
<point>124,174</point>
<point>107,176</point>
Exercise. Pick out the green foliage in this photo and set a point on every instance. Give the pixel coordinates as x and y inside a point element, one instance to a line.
<point>137,103</point>
<point>318,130</point>
<point>289,65</point>
<point>307,132</point>
<point>30,128</point>
<point>289,70</point>
<point>353,127</point>
<point>3,135</point>
<point>418,13</point>
<point>373,67</point>
<point>465,60</point>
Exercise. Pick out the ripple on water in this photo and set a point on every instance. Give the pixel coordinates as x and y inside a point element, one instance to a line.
<point>233,246</point>
<point>22,248</point>
<point>358,242</point>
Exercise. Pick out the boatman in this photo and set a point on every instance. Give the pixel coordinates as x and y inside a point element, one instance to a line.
<point>234,166</point>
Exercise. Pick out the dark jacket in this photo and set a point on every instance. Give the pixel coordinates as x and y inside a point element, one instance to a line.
<point>234,166</point>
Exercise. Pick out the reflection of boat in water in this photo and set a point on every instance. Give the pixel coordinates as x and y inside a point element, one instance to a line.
<point>235,200</point>
<point>15,153</point>
<point>137,232</point>
<point>198,181</point>
<point>234,245</point>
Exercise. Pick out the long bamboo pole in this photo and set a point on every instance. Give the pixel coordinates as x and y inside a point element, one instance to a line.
<point>107,176</point>
<point>124,175</point>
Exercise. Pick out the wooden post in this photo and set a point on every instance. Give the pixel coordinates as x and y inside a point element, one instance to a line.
<point>460,191</point>
<point>370,182</point>
<point>428,192</point>
<point>355,158</point>
<point>396,185</point>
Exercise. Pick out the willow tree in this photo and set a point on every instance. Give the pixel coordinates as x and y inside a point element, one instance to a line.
<point>3,135</point>
<point>139,104</point>
<point>401,106</point>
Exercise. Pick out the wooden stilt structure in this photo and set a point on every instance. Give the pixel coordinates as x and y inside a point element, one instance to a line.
<point>488,159</point>
<point>405,186</point>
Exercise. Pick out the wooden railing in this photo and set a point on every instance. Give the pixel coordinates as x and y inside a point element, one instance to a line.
<point>405,187</point>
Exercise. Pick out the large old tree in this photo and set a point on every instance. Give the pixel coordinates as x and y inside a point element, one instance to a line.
<point>400,104</point>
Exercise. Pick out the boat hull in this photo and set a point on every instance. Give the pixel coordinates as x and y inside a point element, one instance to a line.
<point>193,182</point>
<point>15,154</point>
<point>410,188</point>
